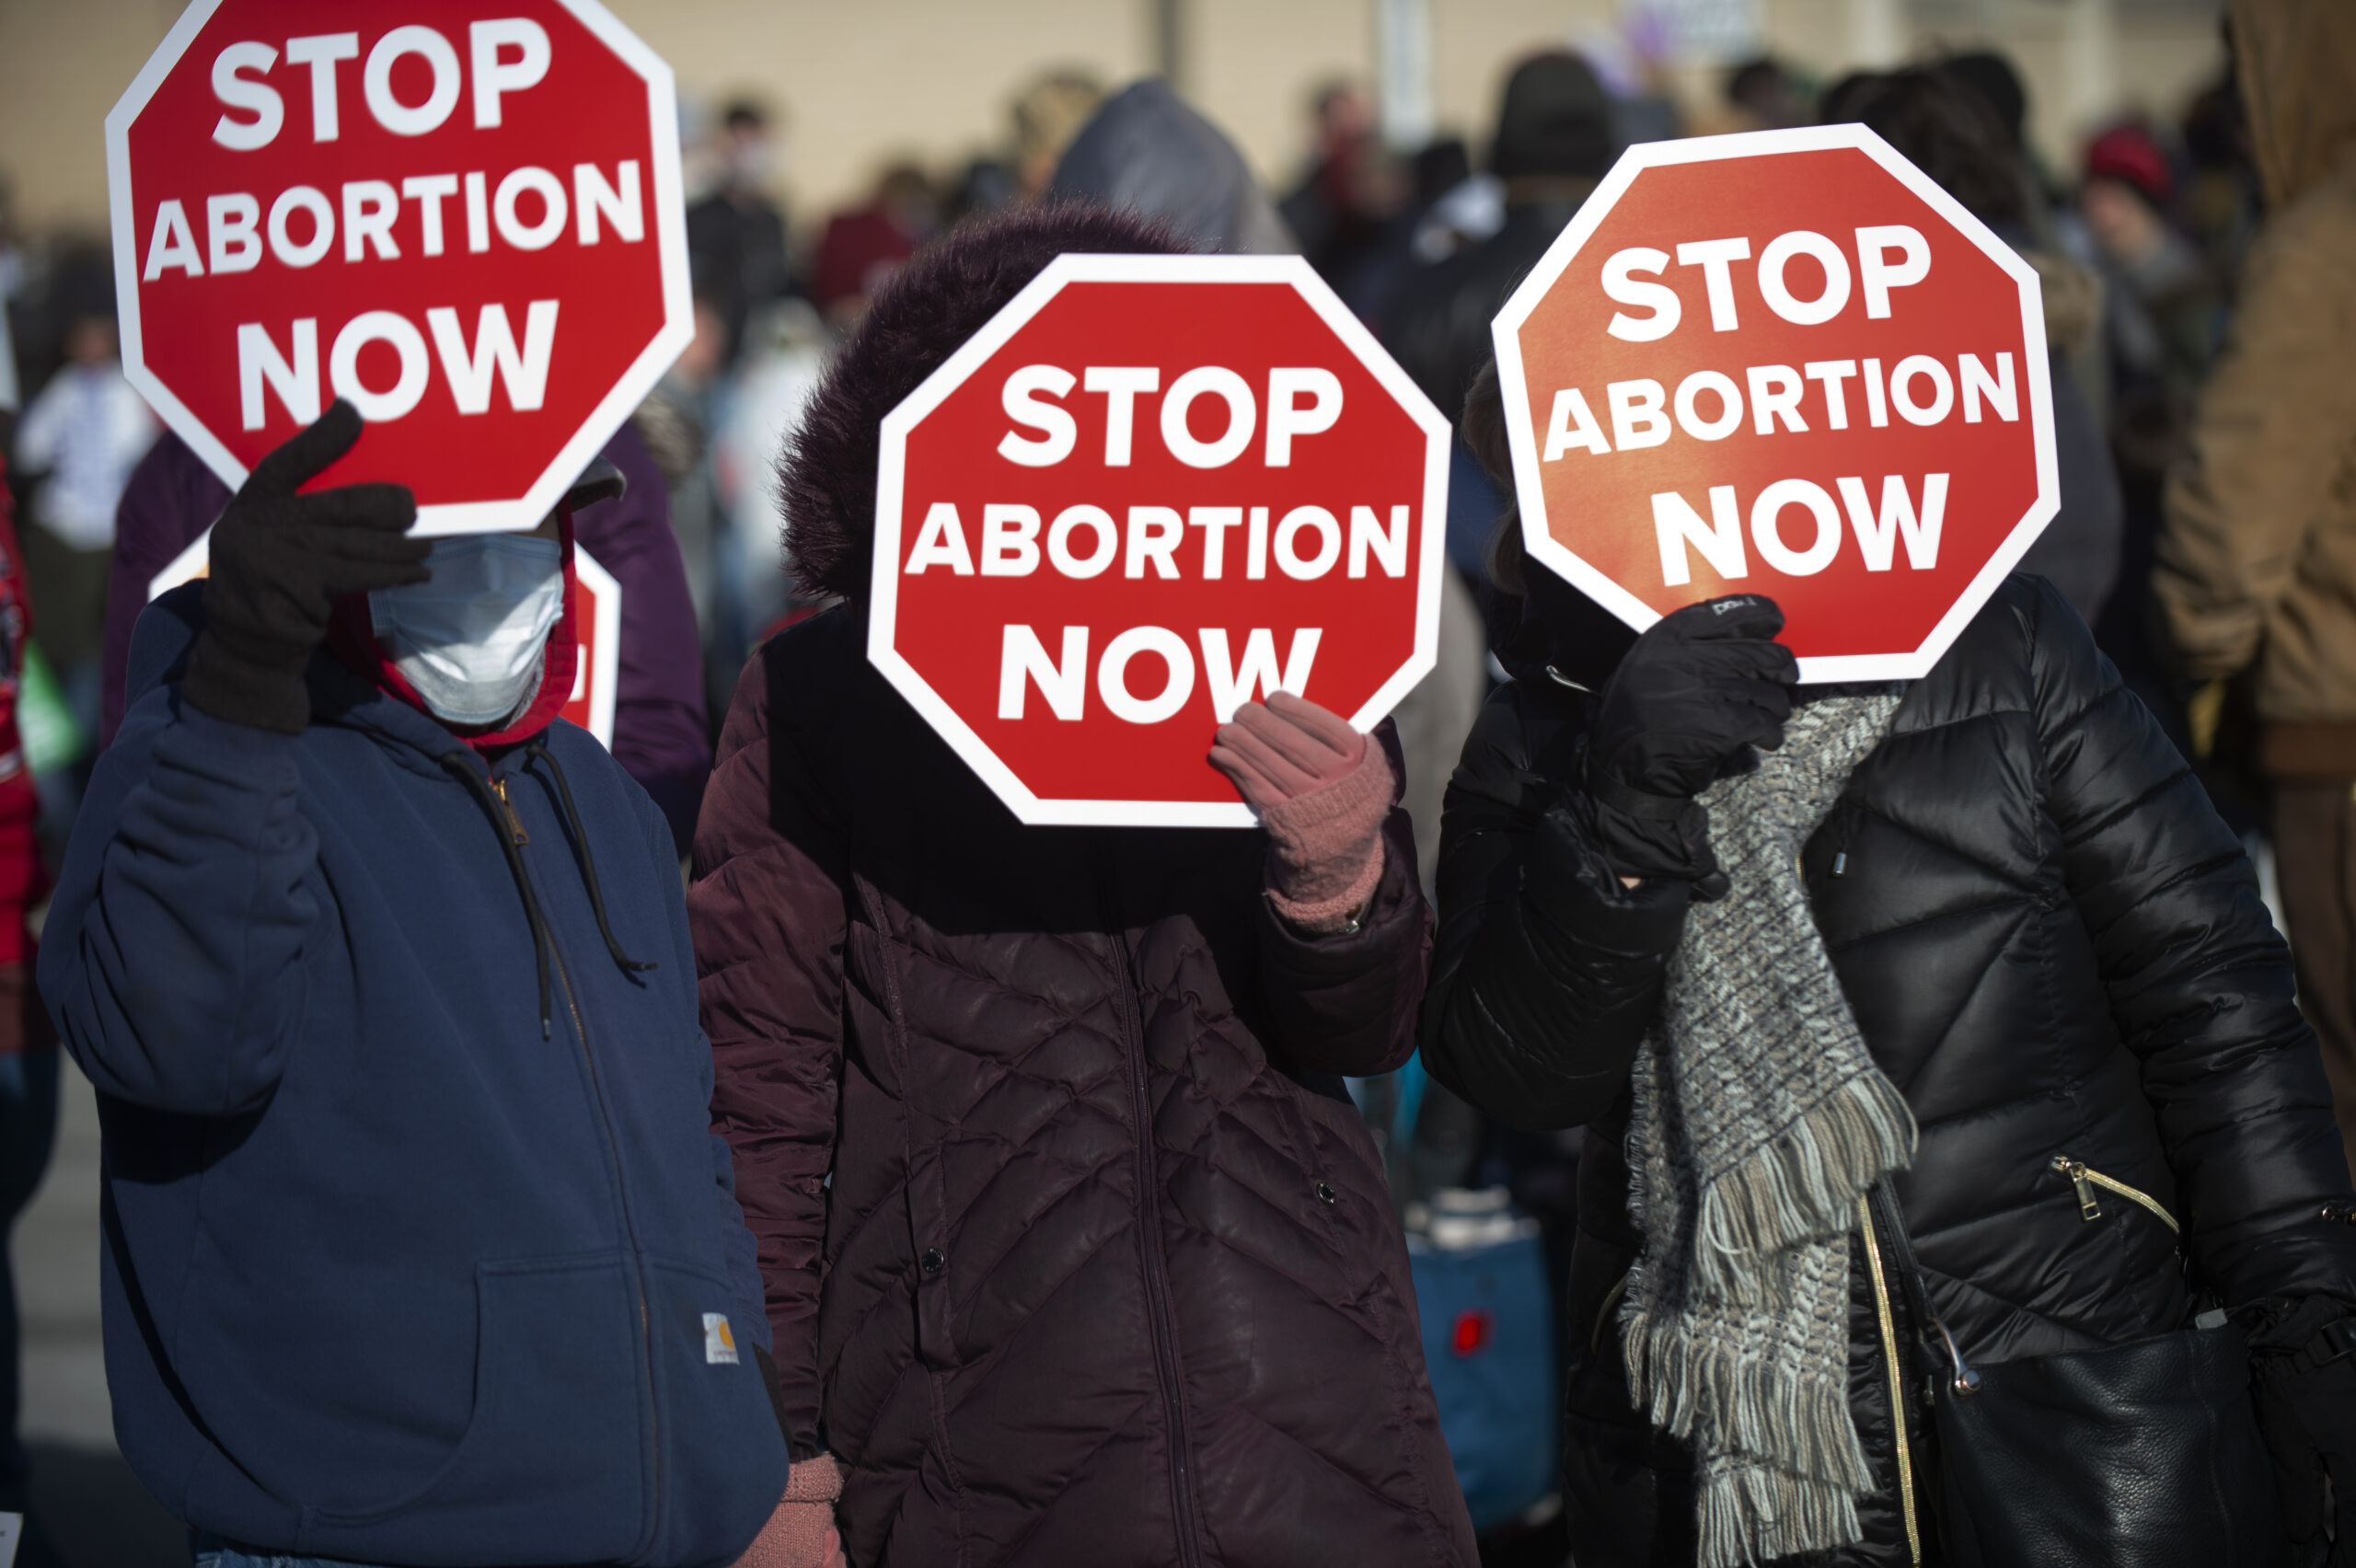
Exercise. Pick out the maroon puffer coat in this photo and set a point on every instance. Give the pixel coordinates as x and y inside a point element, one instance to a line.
<point>1076,1251</point>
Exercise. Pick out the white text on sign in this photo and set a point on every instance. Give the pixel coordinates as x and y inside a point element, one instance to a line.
<point>1711,405</point>
<point>433,214</point>
<point>1083,541</point>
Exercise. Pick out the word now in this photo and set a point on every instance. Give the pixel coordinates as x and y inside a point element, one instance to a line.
<point>1917,386</point>
<point>1876,272</point>
<point>1011,543</point>
<point>1031,399</point>
<point>467,367</point>
<point>487,41</point>
<point>1676,525</point>
<point>1063,680</point>
<point>527,209</point>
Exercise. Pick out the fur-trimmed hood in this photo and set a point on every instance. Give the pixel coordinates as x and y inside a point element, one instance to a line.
<point>827,477</point>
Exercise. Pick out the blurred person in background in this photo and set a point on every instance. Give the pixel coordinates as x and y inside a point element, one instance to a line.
<point>1949,133</point>
<point>736,238</point>
<point>2257,559</point>
<point>1076,1249</point>
<point>79,441</point>
<point>2219,206</point>
<point>661,736</point>
<point>1763,95</point>
<point>1047,115</point>
<point>1146,151</point>
<point>863,246</point>
<point>1553,141</point>
<point>1352,188</point>
<point>27,1040</point>
<point>2159,300</point>
<point>785,355</point>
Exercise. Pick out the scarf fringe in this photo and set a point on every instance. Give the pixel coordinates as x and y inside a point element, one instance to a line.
<point>1685,1381</point>
<point>1752,1513</point>
<point>1801,1186</point>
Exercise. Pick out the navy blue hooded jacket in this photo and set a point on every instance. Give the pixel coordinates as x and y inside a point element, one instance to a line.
<point>390,1274</point>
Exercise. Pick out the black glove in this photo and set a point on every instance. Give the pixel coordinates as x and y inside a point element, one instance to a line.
<point>280,560</point>
<point>2302,1369</point>
<point>1702,685</point>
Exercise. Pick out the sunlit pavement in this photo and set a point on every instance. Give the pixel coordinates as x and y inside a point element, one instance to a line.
<point>96,1513</point>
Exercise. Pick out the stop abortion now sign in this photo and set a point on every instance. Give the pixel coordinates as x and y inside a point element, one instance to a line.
<point>1154,488</point>
<point>465,218</point>
<point>1784,362</point>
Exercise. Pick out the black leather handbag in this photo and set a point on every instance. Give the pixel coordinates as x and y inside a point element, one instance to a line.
<point>2144,1455</point>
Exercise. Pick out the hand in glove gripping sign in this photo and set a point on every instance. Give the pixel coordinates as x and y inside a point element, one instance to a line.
<point>1705,682</point>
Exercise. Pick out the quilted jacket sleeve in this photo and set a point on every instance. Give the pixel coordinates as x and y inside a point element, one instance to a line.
<point>1548,971</point>
<point>2200,982</point>
<point>1346,1003</point>
<point>768,913</point>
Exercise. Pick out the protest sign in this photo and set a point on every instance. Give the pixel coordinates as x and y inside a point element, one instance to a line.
<point>1151,490</point>
<point>1785,362</point>
<point>465,219</point>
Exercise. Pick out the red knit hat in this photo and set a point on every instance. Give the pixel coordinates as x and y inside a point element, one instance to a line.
<point>2129,154</point>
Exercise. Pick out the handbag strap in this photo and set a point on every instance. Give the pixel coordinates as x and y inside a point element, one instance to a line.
<point>1890,1222</point>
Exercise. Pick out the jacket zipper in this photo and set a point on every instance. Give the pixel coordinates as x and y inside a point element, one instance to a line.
<point>621,1183</point>
<point>2087,1179</point>
<point>514,822</point>
<point>1157,1284</point>
<point>1897,1381</point>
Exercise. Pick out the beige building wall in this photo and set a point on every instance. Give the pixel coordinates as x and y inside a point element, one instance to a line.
<point>863,82</point>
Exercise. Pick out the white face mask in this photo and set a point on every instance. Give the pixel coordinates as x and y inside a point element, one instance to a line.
<point>472,638</point>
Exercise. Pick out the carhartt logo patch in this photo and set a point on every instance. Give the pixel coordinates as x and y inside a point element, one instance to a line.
<point>719,1343</point>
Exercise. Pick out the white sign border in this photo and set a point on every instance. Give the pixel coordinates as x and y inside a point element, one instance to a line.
<point>884,580</point>
<point>477,517</point>
<point>1521,435</point>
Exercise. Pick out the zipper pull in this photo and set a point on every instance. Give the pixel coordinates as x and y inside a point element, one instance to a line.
<point>2076,1171</point>
<point>514,822</point>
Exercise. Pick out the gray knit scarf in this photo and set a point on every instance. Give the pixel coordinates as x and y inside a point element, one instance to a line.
<point>1758,1119</point>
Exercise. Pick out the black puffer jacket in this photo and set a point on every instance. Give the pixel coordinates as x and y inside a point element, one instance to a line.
<point>2053,946</point>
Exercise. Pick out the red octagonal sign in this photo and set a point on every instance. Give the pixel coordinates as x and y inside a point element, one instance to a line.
<point>463,217</point>
<point>1783,361</point>
<point>1151,490</point>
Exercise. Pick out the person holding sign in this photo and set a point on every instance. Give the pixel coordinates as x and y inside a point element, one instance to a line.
<point>1964,968</point>
<point>1075,1249</point>
<point>419,1249</point>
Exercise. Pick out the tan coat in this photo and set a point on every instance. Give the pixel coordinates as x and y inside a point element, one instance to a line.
<point>2257,560</point>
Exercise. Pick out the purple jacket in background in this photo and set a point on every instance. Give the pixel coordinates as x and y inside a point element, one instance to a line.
<point>660,735</point>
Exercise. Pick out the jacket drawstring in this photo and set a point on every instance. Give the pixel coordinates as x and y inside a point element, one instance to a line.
<point>462,764</point>
<point>588,862</point>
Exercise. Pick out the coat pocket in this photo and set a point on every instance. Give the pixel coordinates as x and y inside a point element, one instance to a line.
<point>723,1465</point>
<point>555,1463</point>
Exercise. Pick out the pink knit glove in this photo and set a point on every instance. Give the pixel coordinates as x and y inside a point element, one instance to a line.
<point>802,1533</point>
<point>1323,794</point>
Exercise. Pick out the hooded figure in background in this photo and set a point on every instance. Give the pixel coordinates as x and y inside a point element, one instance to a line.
<point>419,1248</point>
<point>1076,1249</point>
<point>1147,152</point>
<point>2257,553</point>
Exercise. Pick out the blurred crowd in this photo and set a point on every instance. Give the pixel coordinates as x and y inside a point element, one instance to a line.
<point>2143,245</point>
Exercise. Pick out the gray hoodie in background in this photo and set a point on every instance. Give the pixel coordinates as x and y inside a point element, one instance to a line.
<point>1148,152</point>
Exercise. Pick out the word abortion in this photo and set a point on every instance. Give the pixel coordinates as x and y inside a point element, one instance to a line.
<point>1918,388</point>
